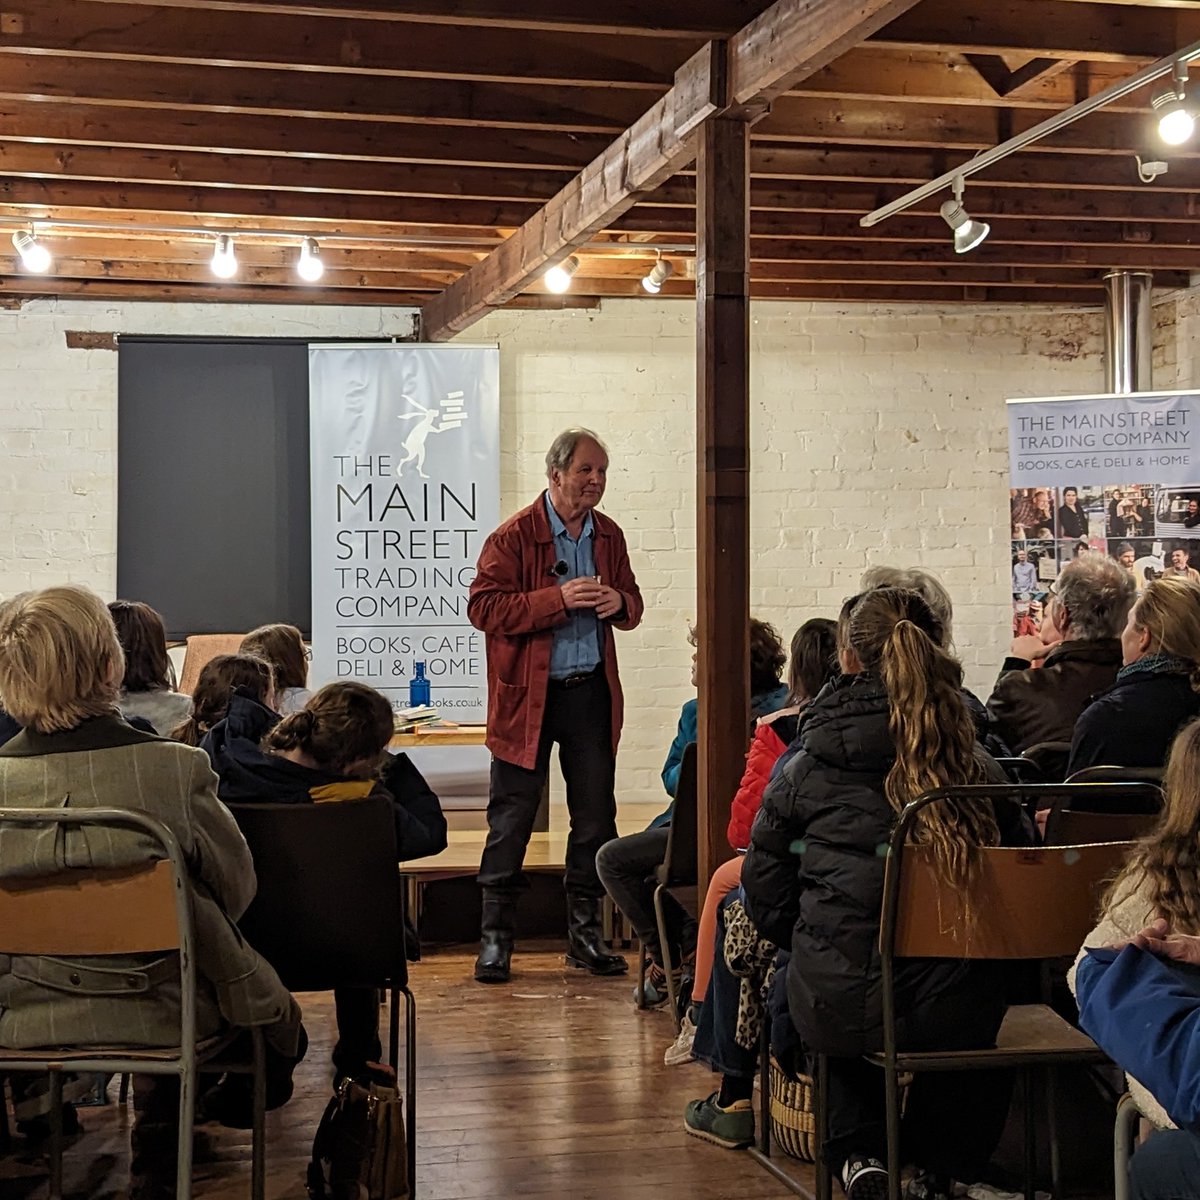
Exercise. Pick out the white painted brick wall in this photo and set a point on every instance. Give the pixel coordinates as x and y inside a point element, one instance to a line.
<point>878,435</point>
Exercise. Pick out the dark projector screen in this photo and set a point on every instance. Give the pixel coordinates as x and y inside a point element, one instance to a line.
<point>212,482</point>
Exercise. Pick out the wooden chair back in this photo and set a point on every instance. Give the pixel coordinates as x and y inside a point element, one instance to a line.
<point>1072,828</point>
<point>1026,902</point>
<point>201,649</point>
<point>126,910</point>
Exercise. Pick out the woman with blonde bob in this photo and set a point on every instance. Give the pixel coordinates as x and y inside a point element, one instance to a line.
<point>893,726</point>
<point>1134,722</point>
<point>61,666</point>
<point>1161,880</point>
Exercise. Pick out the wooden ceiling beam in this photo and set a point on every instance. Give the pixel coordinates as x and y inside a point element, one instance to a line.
<point>776,170</point>
<point>274,265</point>
<point>951,127</point>
<point>16,287</point>
<point>920,277</point>
<point>913,165</point>
<point>663,209</point>
<point>78,124</point>
<point>1045,29</point>
<point>702,19</point>
<point>787,251</point>
<point>882,73</point>
<point>792,39</point>
<point>130,32</point>
<point>1021,221</point>
<point>216,89</point>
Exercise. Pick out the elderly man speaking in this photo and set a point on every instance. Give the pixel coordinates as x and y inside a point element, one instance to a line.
<point>552,584</point>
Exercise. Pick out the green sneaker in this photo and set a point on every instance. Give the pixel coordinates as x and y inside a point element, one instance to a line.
<point>731,1127</point>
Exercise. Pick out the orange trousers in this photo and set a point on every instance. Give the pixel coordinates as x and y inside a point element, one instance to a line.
<point>726,877</point>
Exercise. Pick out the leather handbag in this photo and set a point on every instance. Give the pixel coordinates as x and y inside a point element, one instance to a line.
<point>360,1151</point>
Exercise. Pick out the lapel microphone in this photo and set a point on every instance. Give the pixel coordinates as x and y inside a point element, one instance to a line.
<point>560,568</point>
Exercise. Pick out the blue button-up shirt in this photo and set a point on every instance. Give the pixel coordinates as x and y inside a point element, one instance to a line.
<point>577,647</point>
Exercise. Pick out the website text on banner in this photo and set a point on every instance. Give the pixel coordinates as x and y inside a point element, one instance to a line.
<point>405,487</point>
<point>1115,474</point>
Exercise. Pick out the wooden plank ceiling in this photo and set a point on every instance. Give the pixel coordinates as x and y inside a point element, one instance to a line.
<point>410,137</point>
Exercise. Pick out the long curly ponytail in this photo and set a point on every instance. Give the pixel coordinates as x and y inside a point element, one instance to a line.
<point>893,632</point>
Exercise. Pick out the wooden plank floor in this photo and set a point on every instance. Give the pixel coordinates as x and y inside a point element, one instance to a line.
<point>552,1085</point>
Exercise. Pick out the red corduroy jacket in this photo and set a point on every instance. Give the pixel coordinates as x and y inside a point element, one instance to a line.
<point>515,600</point>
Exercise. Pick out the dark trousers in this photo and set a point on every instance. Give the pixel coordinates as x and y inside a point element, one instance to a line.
<point>357,1011</point>
<point>579,719</point>
<point>1167,1167</point>
<point>952,1119</point>
<point>626,867</point>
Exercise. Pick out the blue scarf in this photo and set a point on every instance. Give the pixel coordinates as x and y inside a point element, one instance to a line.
<point>1157,664</point>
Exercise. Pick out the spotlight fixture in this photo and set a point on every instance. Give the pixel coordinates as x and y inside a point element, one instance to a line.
<point>309,266</point>
<point>1175,122</point>
<point>968,233</point>
<point>658,275</point>
<point>558,279</point>
<point>224,259</point>
<point>34,256</point>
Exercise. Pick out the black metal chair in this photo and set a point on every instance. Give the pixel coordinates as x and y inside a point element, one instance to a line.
<point>330,910</point>
<point>1021,770</point>
<point>677,873</point>
<point>1050,758</point>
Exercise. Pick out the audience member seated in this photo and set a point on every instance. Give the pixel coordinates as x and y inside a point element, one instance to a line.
<point>933,592</point>
<point>893,727</point>
<point>332,750</point>
<point>60,667</point>
<point>626,864</point>
<point>1164,1044</point>
<point>1091,602</point>
<point>283,647</point>
<point>1161,880</point>
<point>812,662</point>
<point>1134,723</point>
<point>221,678</point>
<point>148,689</point>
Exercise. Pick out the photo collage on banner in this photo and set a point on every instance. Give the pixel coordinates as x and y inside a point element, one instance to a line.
<point>1107,474</point>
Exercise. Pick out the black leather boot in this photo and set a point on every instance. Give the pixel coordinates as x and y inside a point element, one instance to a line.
<point>496,928</point>
<point>585,938</point>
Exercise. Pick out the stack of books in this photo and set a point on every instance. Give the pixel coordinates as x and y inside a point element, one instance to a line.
<point>409,720</point>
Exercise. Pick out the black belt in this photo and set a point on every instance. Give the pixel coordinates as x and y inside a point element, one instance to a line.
<point>571,681</point>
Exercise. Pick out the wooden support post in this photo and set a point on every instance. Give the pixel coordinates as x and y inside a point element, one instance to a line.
<point>723,470</point>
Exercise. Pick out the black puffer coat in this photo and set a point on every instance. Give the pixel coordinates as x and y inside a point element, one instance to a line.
<point>813,876</point>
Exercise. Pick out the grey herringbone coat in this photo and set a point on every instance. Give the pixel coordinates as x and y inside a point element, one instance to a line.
<point>132,1000</point>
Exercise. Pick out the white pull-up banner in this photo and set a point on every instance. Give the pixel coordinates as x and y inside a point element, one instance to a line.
<point>405,487</point>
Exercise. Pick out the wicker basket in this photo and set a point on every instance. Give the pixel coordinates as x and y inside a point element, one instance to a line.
<point>792,1123</point>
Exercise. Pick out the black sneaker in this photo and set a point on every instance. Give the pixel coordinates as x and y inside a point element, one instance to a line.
<point>865,1179</point>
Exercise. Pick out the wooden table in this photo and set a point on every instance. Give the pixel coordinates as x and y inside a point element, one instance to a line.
<point>457,735</point>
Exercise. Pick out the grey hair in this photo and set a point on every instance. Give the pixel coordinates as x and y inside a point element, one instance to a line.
<point>913,579</point>
<point>562,449</point>
<point>1095,592</point>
